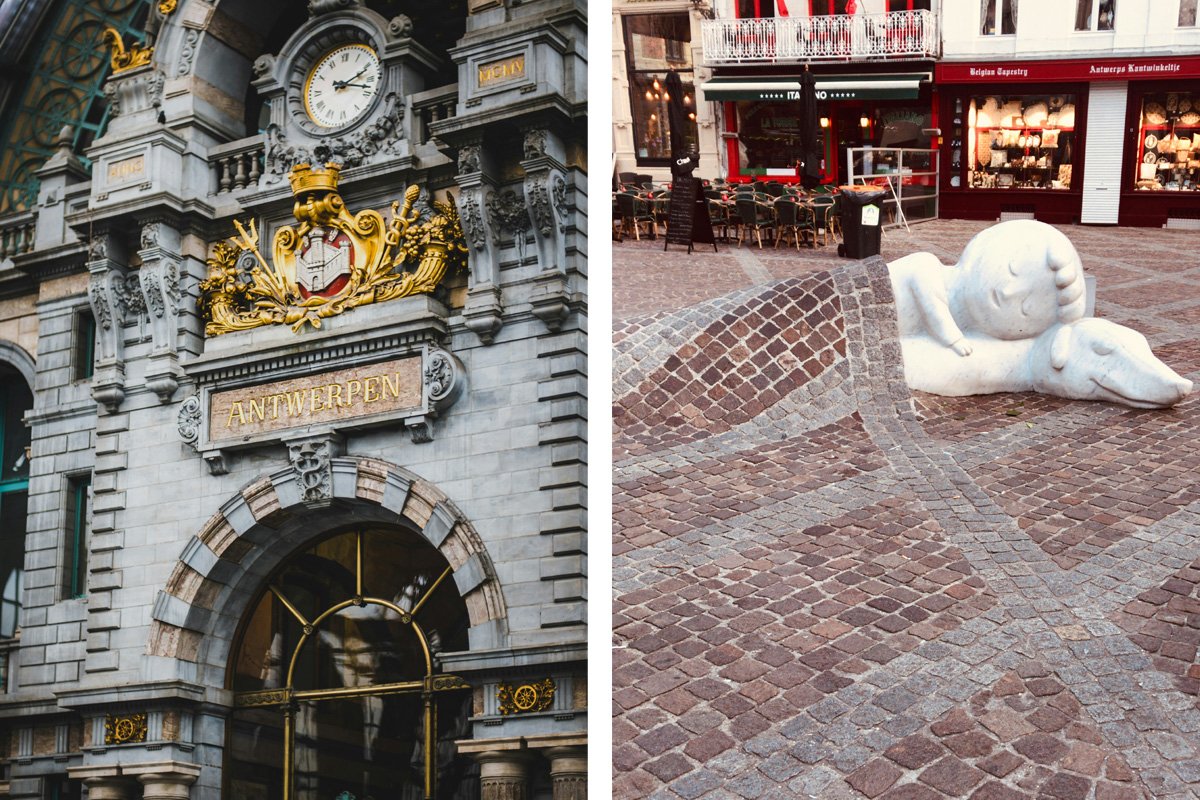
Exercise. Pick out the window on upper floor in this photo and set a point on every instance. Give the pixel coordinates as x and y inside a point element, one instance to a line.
<point>85,344</point>
<point>753,9</point>
<point>79,516</point>
<point>998,16</point>
<point>15,400</point>
<point>820,8</point>
<point>1095,15</point>
<point>907,5</point>
<point>1187,13</point>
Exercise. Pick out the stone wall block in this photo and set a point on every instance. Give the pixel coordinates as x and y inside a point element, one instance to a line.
<point>372,480</point>
<point>262,499</point>
<point>395,493</point>
<point>470,575</point>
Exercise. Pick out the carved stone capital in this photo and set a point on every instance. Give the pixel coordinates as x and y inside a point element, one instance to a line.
<point>108,384</point>
<point>503,775</point>
<point>443,377</point>
<point>133,92</point>
<point>549,298</point>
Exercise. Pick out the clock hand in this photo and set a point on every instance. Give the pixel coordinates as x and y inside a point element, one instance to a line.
<point>344,84</point>
<point>360,85</point>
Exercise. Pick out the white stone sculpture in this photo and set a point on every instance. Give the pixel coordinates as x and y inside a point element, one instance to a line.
<point>1009,318</point>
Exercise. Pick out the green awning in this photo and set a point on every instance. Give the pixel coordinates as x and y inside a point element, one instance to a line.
<point>786,88</point>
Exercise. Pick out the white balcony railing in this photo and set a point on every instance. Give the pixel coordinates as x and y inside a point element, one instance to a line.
<point>842,37</point>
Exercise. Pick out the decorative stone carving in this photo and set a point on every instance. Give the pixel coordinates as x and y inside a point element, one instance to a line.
<point>382,137</point>
<point>535,143</point>
<point>526,698</point>
<point>539,205</point>
<point>400,27</point>
<point>468,158</point>
<point>129,298</point>
<point>443,378</point>
<point>150,235</point>
<point>471,216</point>
<point>189,421</point>
<point>1012,310</point>
<point>560,202</point>
<point>507,214</point>
<point>312,461</point>
<point>483,310</point>
<point>263,65</point>
<point>129,94</point>
<point>187,53</point>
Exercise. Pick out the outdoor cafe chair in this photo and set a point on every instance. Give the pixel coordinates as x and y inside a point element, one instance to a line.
<point>635,213</point>
<point>719,216</point>
<point>789,219</point>
<point>756,217</point>
<point>774,188</point>
<point>825,218</point>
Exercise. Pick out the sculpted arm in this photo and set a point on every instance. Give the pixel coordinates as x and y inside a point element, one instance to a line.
<point>930,299</point>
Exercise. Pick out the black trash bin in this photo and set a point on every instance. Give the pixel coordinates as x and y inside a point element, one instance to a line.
<point>859,208</point>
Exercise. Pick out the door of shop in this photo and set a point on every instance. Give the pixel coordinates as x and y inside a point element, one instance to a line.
<point>848,132</point>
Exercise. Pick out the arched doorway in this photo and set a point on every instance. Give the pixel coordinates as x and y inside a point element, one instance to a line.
<point>338,691</point>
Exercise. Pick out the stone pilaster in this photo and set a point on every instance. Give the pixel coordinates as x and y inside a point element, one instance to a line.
<point>105,783</point>
<point>545,198</point>
<point>106,292</point>
<point>503,775</point>
<point>160,290</point>
<point>568,772</point>
<point>483,308</point>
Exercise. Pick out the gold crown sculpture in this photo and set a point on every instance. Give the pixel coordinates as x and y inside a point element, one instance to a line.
<point>304,179</point>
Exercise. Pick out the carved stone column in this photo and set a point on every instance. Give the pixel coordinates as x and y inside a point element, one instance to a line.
<point>568,771</point>
<point>106,293</point>
<point>483,310</point>
<point>503,775</point>
<point>109,788</point>
<point>164,780</point>
<point>545,198</point>
<point>160,289</point>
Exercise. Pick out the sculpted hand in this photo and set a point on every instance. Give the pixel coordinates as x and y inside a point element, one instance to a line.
<point>962,347</point>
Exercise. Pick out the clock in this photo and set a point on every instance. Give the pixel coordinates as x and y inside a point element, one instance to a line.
<point>342,85</point>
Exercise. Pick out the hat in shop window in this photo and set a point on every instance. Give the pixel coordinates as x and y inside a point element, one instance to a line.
<point>1190,119</point>
<point>1155,114</point>
<point>1035,114</point>
<point>1066,117</point>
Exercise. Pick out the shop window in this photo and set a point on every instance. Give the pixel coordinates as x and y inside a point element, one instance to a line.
<point>1168,148</point>
<point>15,400</point>
<point>757,9</point>
<point>1095,15</point>
<point>1187,13</point>
<point>330,672</point>
<point>655,45</point>
<point>998,16</point>
<point>85,345</point>
<point>768,139</point>
<point>79,516</point>
<point>908,5</point>
<point>1016,142</point>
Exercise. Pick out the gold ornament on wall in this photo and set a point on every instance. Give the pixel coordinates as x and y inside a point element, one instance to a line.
<point>167,7</point>
<point>124,729</point>
<point>332,261</point>
<point>525,698</point>
<point>124,60</point>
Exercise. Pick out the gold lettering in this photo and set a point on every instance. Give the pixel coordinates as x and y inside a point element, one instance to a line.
<point>236,408</point>
<point>295,403</point>
<point>119,170</point>
<point>314,400</point>
<point>275,406</point>
<point>258,407</point>
<point>370,393</point>
<point>499,71</point>
<point>387,384</point>
<point>334,400</point>
<point>353,387</point>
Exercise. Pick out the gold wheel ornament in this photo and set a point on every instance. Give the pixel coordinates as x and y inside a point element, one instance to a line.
<point>526,697</point>
<point>332,261</point>
<point>124,729</point>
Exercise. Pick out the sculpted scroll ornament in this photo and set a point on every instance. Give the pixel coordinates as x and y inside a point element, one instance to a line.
<point>332,261</point>
<point>188,421</point>
<point>312,462</point>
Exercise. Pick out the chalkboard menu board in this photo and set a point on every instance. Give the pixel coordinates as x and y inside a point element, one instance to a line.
<point>687,215</point>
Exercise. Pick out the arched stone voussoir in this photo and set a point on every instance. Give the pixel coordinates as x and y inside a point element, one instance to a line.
<point>219,571</point>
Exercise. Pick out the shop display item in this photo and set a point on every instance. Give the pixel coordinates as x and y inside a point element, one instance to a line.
<point>1012,310</point>
<point>1026,139</point>
<point>1170,131</point>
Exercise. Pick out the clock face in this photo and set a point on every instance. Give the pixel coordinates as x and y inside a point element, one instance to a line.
<point>342,85</point>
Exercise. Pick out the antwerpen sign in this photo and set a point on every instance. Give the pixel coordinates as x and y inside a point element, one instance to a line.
<point>391,387</point>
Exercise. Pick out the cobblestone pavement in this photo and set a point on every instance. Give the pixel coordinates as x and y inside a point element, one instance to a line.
<point>828,586</point>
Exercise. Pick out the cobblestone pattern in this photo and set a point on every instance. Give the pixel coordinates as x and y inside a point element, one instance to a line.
<point>770,630</point>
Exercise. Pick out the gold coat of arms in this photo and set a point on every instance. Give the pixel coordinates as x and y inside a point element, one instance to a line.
<point>332,261</point>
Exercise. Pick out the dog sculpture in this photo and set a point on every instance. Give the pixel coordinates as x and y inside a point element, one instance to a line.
<point>1089,359</point>
<point>1009,318</point>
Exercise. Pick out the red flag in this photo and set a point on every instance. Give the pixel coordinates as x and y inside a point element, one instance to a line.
<point>781,8</point>
<point>851,7</point>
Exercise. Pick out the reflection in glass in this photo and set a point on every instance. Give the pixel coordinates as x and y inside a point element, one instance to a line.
<point>358,672</point>
<point>1019,142</point>
<point>1168,146</point>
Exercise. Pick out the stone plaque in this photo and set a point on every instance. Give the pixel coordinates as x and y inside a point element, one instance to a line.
<point>391,386</point>
<point>502,71</point>
<point>127,169</point>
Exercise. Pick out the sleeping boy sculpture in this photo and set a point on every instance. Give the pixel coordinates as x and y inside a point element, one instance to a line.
<point>1009,317</point>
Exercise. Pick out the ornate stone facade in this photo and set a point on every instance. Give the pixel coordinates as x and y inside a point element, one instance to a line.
<point>361,458</point>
